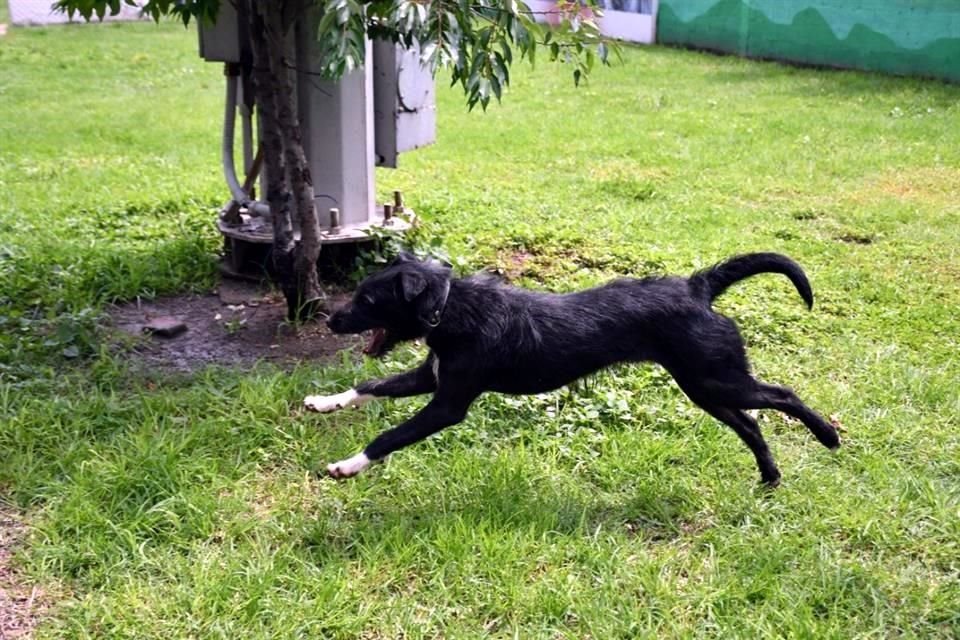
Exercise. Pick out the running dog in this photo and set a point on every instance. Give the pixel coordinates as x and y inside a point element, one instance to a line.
<point>484,335</point>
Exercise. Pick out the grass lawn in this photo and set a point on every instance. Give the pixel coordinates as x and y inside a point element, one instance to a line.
<point>188,506</point>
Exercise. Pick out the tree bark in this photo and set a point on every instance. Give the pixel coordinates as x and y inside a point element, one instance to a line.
<point>286,171</point>
<point>297,168</point>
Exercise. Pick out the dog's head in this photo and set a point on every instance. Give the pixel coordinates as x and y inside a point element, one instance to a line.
<point>402,302</point>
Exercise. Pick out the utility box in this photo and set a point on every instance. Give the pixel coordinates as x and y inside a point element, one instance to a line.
<point>404,102</point>
<point>336,124</point>
<point>366,118</point>
<point>220,42</point>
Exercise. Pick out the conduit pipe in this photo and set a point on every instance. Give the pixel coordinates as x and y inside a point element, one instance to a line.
<point>240,196</point>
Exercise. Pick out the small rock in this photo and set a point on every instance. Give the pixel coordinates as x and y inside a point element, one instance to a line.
<point>165,327</point>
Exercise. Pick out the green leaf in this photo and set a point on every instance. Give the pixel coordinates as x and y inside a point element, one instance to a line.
<point>477,39</point>
<point>500,70</point>
<point>495,85</point>
<point>484,89</point>
<point>507,53</point>
<point>326,23</point>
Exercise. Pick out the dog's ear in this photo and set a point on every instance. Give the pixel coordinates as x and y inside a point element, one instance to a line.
<point>411,284</point>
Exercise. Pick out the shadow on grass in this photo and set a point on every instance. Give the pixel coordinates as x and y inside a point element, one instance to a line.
<point>808,81</point>
<point>653,515</point>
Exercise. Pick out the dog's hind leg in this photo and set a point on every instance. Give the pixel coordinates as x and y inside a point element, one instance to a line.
<point>704,395</point>
<point>768,396</point>
<point>740,390</point>
<point>447,408</point>
<point>421,380</point>
<point>749,431</point>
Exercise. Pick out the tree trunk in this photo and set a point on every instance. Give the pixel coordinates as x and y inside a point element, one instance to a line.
<point>284,163</point>
<point>297,169</point>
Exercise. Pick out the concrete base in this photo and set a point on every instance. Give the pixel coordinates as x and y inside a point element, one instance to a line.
<point>247,246</point>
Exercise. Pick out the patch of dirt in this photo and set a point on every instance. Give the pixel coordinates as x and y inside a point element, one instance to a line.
<point>512,265</point>
<point>929,185</point>
<point>855,238</point>
<point>238,324</point>
<point>919,183</point>
<point>21,604</point>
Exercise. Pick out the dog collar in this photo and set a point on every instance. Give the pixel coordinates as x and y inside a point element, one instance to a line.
<point>434,318</point>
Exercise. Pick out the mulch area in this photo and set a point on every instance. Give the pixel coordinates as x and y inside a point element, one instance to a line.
<point>237,324</point>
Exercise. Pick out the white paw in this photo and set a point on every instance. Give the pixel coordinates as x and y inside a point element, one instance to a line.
<point>349,467</point>
<point>326,404</point>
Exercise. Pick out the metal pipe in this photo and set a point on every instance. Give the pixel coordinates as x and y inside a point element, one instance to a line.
<point>231,71</point>
<point>246,126</point>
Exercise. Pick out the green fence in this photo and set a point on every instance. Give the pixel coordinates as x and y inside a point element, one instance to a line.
<point>907,37</point>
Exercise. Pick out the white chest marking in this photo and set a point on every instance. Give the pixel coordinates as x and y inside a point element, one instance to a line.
<point>326,404</point>
<point>436,369</point>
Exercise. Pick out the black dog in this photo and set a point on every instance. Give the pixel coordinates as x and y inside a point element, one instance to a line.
<point>486,336</point>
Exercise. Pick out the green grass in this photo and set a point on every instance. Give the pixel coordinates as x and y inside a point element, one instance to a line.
<point>188,506</point>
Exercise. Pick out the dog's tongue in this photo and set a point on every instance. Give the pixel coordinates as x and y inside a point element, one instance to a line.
<point>376,341</point>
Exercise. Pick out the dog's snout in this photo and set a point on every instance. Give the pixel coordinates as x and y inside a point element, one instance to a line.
<point>335,321</point>
<point>339,320</point>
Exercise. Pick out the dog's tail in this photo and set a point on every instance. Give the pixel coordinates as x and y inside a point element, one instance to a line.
<point>715,280</point>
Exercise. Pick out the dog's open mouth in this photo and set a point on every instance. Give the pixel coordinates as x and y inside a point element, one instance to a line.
<point>378,343</point>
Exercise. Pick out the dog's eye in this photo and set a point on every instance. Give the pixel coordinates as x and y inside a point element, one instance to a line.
<point>367,299</point>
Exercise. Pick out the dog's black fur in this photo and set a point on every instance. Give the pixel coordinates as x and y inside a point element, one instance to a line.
<point>487,336</point>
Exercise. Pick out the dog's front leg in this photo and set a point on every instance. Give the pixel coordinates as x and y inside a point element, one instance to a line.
<point>326,404</point>
<point>444,410</point>
<point>421,380</point>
